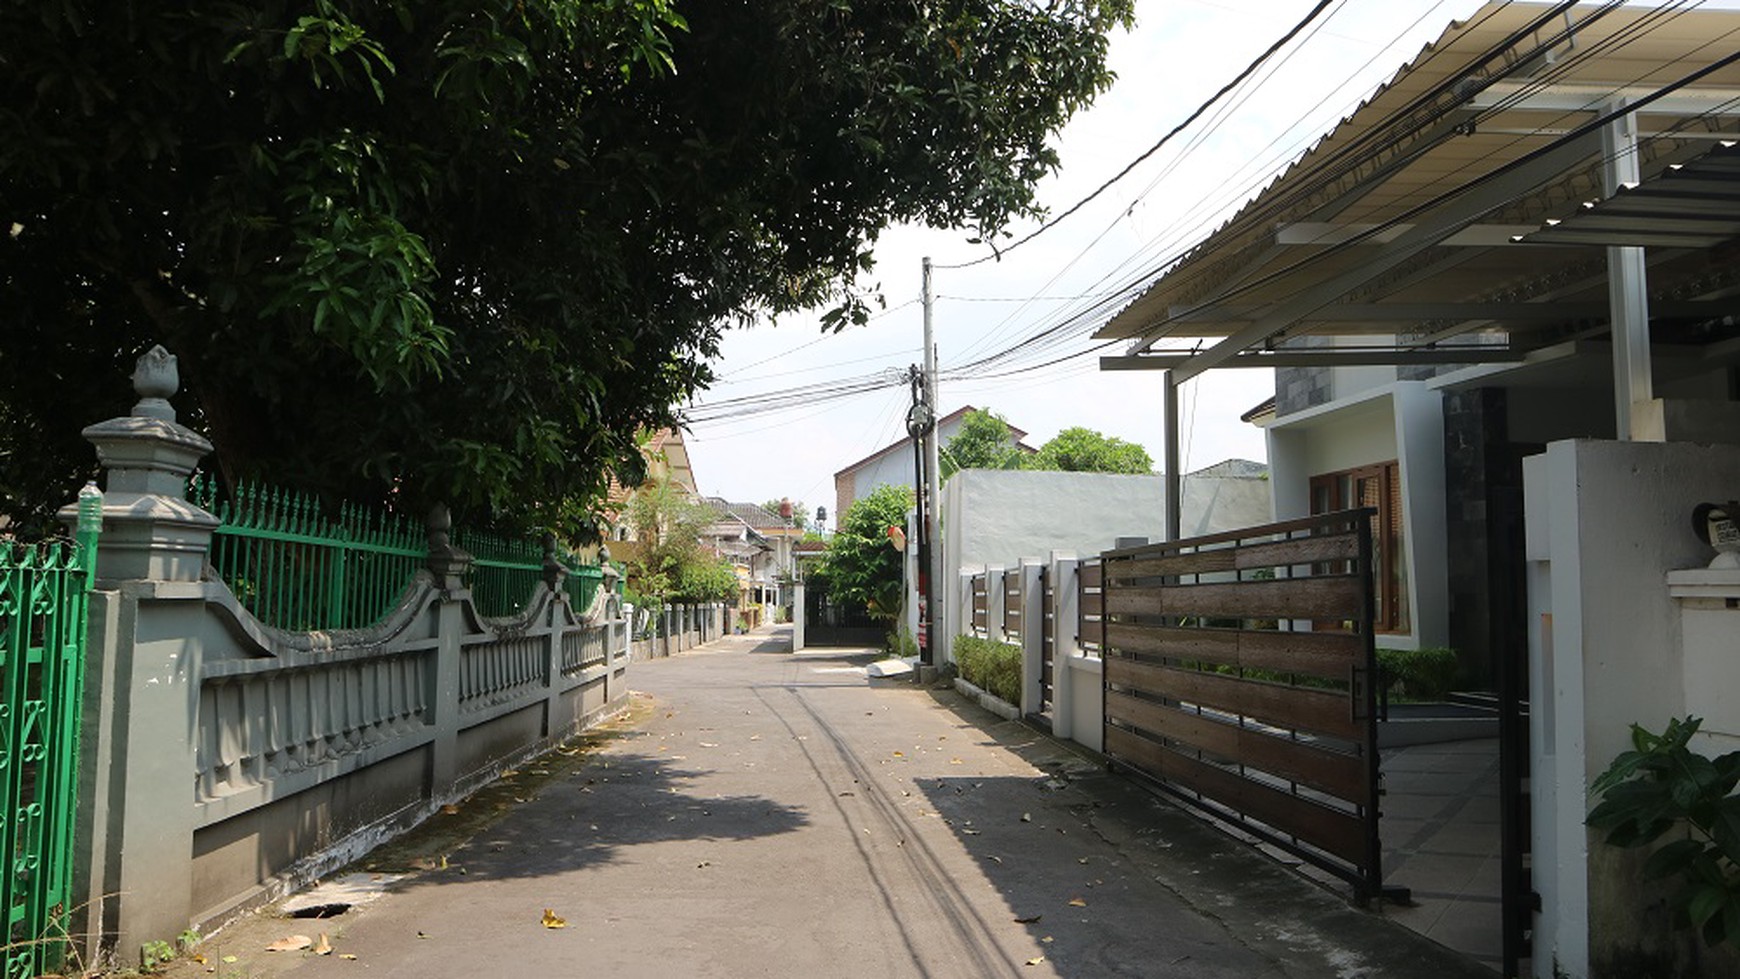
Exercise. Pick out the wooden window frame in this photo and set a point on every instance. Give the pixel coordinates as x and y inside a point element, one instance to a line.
<point>1335,491</point>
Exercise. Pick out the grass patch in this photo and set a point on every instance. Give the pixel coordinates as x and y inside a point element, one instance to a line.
<point>994,667</point>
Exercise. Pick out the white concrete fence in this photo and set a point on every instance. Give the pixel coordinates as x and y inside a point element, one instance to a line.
<point>1020,601</point>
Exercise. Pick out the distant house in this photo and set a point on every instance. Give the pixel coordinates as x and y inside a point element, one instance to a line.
<point>892,465</point>
<point>757,541</point>
<point>667,459</point>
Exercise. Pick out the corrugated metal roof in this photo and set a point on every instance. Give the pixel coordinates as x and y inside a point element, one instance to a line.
<point>1690,205</point>
<point>1469,106</point>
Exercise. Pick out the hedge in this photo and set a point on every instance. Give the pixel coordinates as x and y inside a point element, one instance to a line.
<point>994,667</point>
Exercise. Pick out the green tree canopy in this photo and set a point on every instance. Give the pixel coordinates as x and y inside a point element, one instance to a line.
<point>861,568</point>
<point>1085,450</point>
<point>466,250</point>
<point>983,441</point>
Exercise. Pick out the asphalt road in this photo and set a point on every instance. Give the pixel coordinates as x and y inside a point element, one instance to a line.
<point>771,814</point>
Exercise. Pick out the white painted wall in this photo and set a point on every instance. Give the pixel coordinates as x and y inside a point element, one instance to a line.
<point>998,518</point>
<point>1606,524</point>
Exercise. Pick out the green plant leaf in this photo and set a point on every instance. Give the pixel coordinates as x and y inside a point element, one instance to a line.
<point>1671,858</point>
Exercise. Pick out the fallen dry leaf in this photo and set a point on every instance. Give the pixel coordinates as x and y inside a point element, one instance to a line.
<point>196,957</point>
<point>552,921</point>
<point>450,810</point>
<point>1036,961</point>
<point>900,754</point>
<point>1076,902</point>
<point>1027,817</point>
<point>322,946</point>
<point>290,943</point>
<point>229,960</point>
<point>347,956</point>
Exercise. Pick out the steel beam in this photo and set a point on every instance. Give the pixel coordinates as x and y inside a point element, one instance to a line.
<point>1460,211</point>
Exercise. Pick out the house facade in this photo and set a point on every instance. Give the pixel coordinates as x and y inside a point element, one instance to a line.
<point>893,464</point>
<point>1528,239</point>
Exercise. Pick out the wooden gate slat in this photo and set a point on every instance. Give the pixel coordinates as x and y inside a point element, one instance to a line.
<point>1333,772</point>
<point>1321,711</point>
<point>1337,833</point>
<point>1322,654</point>
<point>1331,598</point>
<point>1249,557</point>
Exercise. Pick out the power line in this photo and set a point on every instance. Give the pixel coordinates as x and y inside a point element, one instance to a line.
<point>998,253</point>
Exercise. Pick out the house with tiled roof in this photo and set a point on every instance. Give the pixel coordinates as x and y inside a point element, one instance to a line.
<point>667,459</point>
<point>892,465</point>
<point>760,543</point>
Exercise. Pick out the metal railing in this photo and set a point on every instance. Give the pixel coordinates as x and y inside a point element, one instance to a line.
<point>44,590</point>
<point>296,568</point>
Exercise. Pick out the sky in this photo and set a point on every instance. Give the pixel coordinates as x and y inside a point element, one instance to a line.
<point>1178,54</point>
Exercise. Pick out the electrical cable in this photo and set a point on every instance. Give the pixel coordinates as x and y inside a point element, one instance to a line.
<point>998,253</point>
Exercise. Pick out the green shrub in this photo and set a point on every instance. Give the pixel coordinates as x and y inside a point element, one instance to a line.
<point>901,644</point>
<point>1662,786</point>
<point>994,667</point>
<point>1419,674</point>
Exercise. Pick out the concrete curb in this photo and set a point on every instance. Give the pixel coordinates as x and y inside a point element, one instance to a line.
<point>996,705</point>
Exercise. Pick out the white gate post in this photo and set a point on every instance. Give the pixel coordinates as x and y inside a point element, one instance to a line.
<point>1065,609</point>
<point>1032,637</point>
<point>994,603</point>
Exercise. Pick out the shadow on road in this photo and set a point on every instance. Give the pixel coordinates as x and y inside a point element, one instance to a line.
<point>590,816</point>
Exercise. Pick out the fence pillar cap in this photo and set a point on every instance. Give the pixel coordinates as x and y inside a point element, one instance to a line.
<point>149,531</point>
<point>448,563</point>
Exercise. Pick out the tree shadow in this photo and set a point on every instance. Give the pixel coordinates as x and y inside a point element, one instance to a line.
<point>588,816</point>
<point>1160,891</point>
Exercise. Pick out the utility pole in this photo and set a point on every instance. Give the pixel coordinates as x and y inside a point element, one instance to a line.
<point>933,484</point>
<point>920,419</point>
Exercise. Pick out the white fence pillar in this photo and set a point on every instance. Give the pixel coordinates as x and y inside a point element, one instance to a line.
<point>994,604</point>
<point>1065,609</point>
<point>1032,638</point>
<point>797,615</point>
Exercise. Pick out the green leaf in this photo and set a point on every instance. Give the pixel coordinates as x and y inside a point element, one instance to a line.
<point>1671,858</point>
<point>1706,901</point>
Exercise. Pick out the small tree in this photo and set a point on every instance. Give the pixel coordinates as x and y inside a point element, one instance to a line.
<point>1085,450</point>
<point>861,568</point>
<point>668,524</point>
<point>983,441</point>
<point>705,579</point>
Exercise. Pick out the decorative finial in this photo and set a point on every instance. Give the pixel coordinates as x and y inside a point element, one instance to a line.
<point>437,524</point>
<point>155,380</point>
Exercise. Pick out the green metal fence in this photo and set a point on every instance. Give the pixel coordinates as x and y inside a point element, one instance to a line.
<point>505,573</point>
<point>295,568</point>
<point>44,589</point>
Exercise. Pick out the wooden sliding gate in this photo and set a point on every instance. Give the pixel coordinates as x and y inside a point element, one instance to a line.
<point>1240,676</point>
